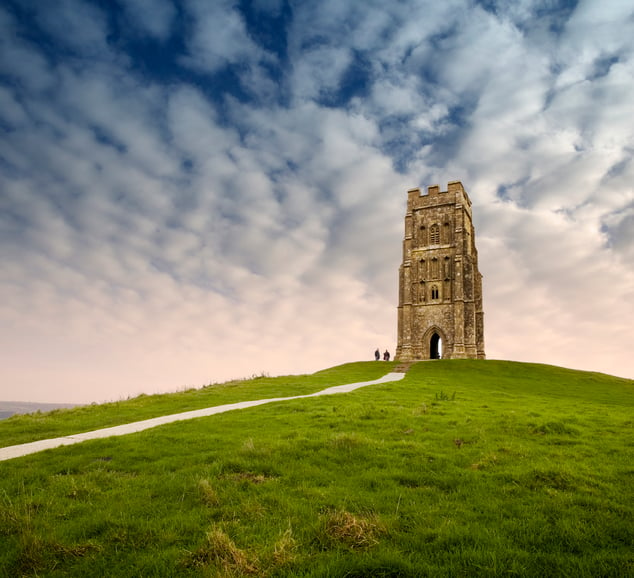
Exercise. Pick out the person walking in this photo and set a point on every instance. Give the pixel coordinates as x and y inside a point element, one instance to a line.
<point>386,355</point>
<point>377,354</point>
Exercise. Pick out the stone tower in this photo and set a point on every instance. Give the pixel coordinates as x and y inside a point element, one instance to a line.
<point>440,286</point>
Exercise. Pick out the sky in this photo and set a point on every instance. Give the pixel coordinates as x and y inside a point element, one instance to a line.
<point>193,191</point>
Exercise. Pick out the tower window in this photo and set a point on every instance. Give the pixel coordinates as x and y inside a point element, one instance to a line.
<point>434,292</point>
<point>434,235</point>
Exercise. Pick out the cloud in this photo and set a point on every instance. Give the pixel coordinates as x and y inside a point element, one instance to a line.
<point>78,26</point>
<point>575,292</point>
<point>18,60</point>
<point>244,211</point>
<point>218,37</point>
<point>154,17</point>
<point>620,229</point>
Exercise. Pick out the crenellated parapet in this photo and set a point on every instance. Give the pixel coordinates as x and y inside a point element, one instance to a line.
<point>455,194</point>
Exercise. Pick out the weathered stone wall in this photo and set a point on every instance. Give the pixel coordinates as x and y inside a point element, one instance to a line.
<point>440,286</point>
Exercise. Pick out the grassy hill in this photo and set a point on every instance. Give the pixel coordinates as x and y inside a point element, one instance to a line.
<point>464,468</point>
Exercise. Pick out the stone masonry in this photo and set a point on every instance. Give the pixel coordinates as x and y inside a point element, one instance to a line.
<point>440,287</point>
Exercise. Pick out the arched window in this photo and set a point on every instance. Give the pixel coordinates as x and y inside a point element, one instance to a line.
<point>434,292</point>
<point>434,235</point>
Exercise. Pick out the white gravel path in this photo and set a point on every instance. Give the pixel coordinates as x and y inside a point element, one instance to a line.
<point>119,430</point>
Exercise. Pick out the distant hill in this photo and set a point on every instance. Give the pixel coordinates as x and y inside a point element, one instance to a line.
<point>9,408</point>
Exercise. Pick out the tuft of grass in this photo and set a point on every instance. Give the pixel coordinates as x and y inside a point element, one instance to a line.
<point>37,554</point>
<point>208,495</point>
<point>341,528</point>
<point>220,553</point>
<point>284,551</point>
<point>442,396</point>
<point>346,442</point>
<point>555,427</point>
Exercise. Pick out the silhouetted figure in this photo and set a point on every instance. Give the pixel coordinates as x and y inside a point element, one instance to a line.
<point>386,355</point>
<point>377,354</point>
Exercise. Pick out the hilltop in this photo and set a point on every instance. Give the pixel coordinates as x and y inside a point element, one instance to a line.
<point>462,468</point>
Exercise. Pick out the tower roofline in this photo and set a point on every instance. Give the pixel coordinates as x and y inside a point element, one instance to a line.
<point>433,194</point>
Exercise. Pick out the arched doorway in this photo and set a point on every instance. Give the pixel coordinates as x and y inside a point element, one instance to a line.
<point>435,347</point>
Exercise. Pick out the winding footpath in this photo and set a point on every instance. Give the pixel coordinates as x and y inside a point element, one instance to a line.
<point>11,452</point>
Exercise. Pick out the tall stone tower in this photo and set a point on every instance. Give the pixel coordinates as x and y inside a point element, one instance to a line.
<point>440,287</point>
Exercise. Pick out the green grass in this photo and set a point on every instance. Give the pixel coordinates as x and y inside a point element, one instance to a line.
<point>20,429</point>
<point>464,468</point>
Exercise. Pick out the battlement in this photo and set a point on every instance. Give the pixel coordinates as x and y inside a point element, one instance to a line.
<point>455,193</point>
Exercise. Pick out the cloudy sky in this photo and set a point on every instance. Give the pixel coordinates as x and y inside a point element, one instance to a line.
<point>197,190</point>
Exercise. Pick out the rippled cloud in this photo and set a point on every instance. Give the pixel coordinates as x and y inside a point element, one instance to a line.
<point>195,191</point>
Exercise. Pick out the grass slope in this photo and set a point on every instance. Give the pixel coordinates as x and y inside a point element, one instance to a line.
<point>464,468</point>
<point>20,429</point>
